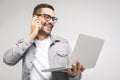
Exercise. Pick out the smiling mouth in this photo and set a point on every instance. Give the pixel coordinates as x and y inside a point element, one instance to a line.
<point>48,26</point>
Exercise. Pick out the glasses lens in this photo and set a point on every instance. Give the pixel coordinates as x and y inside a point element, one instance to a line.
<point>47,17</point>
<point>54,19</point>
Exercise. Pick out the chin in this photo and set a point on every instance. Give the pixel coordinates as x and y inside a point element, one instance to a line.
<point>48,31</point>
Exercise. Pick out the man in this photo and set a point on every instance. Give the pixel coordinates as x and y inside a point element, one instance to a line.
<point>41,50</point>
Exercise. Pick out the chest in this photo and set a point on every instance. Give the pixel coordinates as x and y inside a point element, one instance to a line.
<point>57,55</point>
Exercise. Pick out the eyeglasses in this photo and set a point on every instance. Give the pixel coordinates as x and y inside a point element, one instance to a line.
<point>48,17</point>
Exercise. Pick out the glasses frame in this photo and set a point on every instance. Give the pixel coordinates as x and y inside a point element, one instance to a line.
<point>47,17</point>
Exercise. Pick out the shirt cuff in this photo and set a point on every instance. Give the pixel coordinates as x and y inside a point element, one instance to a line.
<point>29,41</point>
<point>78,77</point>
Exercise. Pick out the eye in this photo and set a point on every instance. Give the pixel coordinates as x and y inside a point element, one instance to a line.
<point>47,17</point>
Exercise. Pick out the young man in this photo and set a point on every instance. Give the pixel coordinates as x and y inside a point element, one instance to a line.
<point>42,50</point>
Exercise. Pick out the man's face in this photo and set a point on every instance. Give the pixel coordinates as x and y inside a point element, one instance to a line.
<point>47,25</point>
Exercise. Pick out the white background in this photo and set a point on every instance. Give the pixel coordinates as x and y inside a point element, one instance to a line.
<point>99,18</point>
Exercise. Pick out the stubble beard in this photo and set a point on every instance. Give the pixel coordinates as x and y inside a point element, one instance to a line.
<point>43,32</point>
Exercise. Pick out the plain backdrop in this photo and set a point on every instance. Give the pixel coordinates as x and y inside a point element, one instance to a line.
<point>98,18</point>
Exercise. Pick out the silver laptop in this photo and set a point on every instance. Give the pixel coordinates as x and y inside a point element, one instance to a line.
<point>87,50</point>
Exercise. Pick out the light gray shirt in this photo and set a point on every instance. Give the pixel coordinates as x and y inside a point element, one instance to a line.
<point>25,49</point>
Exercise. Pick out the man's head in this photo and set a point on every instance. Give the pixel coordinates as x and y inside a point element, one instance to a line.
<point>45,13</point>
<point>40,6</point>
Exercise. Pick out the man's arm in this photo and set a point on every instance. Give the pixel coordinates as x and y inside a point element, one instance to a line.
<point>76,72</point>
<point>14,54</point>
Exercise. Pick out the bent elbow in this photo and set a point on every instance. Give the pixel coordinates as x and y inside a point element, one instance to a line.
<point>8,62</point>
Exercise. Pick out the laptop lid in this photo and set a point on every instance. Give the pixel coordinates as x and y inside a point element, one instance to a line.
<point>86,50</point>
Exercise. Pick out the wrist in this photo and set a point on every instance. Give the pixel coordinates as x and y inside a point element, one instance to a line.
<point>32,36</point>
<point>72,76</point>
<point>79,76</point>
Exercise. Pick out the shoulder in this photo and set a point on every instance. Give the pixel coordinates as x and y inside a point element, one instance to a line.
<point>59,39</point>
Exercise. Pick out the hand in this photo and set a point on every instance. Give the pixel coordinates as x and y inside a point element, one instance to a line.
<point>76,69</point>
<point>35,27</point>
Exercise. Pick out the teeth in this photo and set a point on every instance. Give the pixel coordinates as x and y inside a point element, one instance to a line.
<point>48,25</point>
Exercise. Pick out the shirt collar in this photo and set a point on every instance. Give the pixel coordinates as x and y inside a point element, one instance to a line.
<point>53,38</point>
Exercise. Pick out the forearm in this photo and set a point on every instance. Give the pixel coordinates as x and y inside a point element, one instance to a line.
<point>14,54</point>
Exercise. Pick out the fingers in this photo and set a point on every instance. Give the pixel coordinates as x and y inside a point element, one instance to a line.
<point>36,22</point>
<point>35,26</point>
<point>76,69</point>
<point>78,65</point>
<point>82,68</point>
<point>35,19</point>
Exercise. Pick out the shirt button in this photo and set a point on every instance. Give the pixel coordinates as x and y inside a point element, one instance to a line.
<point>28,73</point>
<point>33,52</point>
<point>23,50</point>
<point>30,42</point>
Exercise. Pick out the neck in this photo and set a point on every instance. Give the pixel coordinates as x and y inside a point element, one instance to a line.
<point>42,37</point>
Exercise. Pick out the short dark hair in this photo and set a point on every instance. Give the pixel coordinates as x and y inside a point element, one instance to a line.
<point>40,6</point>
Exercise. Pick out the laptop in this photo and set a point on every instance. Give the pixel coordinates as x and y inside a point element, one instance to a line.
<point>86,50</point>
